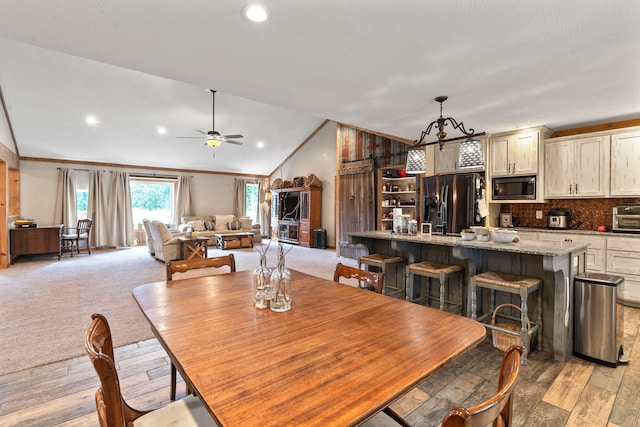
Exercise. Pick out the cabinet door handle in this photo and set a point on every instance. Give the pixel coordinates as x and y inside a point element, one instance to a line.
<point>576,188</point>
<point>514,168</point>
<point>570,189</point>
<point>509,168</point>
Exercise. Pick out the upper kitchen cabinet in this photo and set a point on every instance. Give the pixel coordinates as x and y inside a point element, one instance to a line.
<point>625,164</point>
<point>447,160</point>
<point>515,153</point>
<point>576,167</point>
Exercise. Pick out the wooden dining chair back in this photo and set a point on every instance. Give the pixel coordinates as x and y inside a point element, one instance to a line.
<point>499,408</point>
<point>72,236</point>
<point>111,407</point>
<point>184,266</point>
<point>113,411</point>
<point>366,279</point>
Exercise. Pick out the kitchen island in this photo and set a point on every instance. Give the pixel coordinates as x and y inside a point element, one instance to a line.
<point>555,263</point>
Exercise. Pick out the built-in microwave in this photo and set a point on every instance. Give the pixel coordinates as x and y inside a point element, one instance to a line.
<point>514,188</point>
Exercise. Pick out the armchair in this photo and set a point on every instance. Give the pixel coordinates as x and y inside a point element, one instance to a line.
<point>165,243</point>
<point>147,230</point>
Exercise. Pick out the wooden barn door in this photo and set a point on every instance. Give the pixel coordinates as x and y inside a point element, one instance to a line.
<point>356,204</point>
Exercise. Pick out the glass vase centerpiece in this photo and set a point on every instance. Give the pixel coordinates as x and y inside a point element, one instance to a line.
<point>281,283</point>
<point>262,280</point>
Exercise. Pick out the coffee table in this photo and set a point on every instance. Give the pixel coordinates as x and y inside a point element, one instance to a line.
<point>193,247</point>
<point>234,240</point>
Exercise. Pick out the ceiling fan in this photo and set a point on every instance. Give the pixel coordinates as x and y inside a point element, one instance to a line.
<point>213,137</point>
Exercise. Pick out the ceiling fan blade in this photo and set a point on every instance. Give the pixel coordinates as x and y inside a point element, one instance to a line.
<point>230,141</point>
<point>204,133</point>
<point>190,137</point>
<point>233,136</point>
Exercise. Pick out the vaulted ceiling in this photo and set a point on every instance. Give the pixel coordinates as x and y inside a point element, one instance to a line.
<point>137,66</point>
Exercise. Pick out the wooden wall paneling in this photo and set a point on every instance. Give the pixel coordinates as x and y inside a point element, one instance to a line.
<point>14,192</point>
<point>4,220</point>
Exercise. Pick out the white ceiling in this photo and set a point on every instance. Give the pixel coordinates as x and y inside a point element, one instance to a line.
<point>370,63</point>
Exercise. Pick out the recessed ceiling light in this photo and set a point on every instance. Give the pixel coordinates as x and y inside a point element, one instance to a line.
<point>91,120</point>
<point>162,130</point>
<point>260,144</point>
<point>255,13</point>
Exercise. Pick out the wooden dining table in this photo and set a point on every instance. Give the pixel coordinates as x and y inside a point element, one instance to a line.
<point>338,357</point>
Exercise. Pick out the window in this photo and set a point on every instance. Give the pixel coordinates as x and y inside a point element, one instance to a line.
<point>82,196</point>
<point>152,198</point>
<point>252,201</point>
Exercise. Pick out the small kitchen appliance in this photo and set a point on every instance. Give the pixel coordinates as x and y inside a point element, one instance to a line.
<point>558,218</point>
<point>626,218</point>
<point>506,220</point>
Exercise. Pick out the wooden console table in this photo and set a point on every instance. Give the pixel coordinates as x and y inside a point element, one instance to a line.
<point>35,241</point>
<point>234,240</point>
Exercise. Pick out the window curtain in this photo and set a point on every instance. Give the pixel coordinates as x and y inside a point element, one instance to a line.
<point>119,210</point>
<point>264,214</point>
<point>183,199</point>
<point>66,208</point>
<point>97,208</point>
<point>238,197</point>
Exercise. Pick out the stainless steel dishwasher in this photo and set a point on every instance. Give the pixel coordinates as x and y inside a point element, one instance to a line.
<point>598,318</point>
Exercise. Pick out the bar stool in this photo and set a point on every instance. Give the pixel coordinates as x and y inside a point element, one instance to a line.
<point>513,284</point>
<point>434,270</point>
<point>383,262</point>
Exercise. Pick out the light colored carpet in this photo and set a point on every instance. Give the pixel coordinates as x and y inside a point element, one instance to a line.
<point>46,304</point>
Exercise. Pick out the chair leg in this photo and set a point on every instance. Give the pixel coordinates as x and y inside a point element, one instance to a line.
<point>173,381</point>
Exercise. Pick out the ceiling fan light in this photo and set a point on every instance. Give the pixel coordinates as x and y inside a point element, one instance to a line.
<point>213,142</point>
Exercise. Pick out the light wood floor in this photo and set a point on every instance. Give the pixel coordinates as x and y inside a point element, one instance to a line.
<point>549,393</point>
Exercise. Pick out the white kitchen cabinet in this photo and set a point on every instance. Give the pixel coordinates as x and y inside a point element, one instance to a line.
<point>577,168</point>
<point>514,154</point>
<point>596,252</point>
<point>623,259</point>
<point>446,160</point>
<point>625,164</point>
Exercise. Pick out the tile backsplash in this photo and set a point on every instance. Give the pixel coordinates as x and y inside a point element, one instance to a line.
<point>586,214</point>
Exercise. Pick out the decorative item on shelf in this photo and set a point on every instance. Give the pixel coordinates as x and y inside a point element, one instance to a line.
<point>281,283</point>
<point>402,173</point>
<point>262,279</point>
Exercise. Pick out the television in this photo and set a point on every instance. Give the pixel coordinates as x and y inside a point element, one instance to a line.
<point>290,206</point>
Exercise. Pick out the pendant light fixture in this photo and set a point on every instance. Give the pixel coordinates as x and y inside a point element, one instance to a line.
<point>416,161</point>
<point>440,124</point>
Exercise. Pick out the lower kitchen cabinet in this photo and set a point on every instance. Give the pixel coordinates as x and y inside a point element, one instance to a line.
<point>623,259</point>
<point>596,252</point>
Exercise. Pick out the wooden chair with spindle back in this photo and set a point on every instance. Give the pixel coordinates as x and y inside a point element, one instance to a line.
<point>112,410</point>
<point>499,408</point>
<point>72,236</point>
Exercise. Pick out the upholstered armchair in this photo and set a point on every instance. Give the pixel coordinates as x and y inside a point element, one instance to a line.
<point>147,230</point>
<point>166,244</point>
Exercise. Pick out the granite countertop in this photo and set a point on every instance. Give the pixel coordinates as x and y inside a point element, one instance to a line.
<point>534,247</point>
<point>584,232</point>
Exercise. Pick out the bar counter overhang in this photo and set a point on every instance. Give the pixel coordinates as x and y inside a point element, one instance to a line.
<point>555,263</point>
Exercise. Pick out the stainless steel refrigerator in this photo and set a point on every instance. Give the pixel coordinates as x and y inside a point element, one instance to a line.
<point>450,202</point>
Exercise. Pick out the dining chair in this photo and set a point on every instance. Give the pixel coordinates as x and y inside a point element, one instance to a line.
<point>184,266</point>
<point>498,409</point>
<point>112,409</point>
<point>366,279</point>
<point>72,236</point>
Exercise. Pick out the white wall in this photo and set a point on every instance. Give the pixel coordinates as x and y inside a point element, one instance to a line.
<point>211,193</point>
<point>5,132</point>
<point>317,156</point>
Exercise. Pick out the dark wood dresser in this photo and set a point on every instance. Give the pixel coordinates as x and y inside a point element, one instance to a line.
<point>36,240</point>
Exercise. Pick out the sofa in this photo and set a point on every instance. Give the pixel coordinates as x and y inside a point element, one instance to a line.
<point>210,225</point>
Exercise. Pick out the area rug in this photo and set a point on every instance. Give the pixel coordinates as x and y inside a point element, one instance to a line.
<point>46,304</point>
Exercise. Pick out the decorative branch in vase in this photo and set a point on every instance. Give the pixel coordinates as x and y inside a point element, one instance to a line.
<point>281,282</point>
<point>262,279</point>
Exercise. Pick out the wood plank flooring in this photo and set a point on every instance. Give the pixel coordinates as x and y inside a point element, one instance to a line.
<point>549,393</point>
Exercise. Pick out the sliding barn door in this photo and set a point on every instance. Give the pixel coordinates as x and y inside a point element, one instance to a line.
<point>356,204</point>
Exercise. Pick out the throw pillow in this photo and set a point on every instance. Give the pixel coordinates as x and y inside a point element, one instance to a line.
<point>245,223</point>
<point>210,226</point>
<point>197,225</point>
<point>234,225</point>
